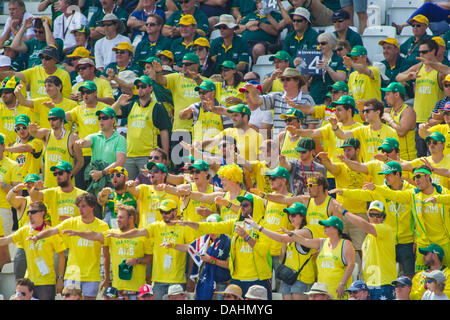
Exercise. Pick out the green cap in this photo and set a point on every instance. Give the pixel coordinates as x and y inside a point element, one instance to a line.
<point>296,208</point>
<point>90,85</point>
<point>421,170</point>
<point>192,57</point>
<point>228,64</point>
<point>10,83</point>
<point>333,221</point>
<point>248,197</point>
<point>279,172</point>
<point>199,164</point>
<point>339,86</point>
<point>357,51</point>
<point>148,60</point>
<point>6,44</point>
<point>241,108</point>
<point>395,87</point>
<point>32,177</point>
<point>57,112</point>
<point>292,113</point>
<point>388,144</point>
<point>125,271</point>
<point>376,205</point>
<point>207,85</point>
<point>345,99</point>
<point>144,79</point>
<point>22,119</point>
<point>160,166</point>
<point>391,167</point>
<point>83,29</point>
<point>439,137</point>
<point>110,112</point>
<point>434,248</point>
<point>215,217</point>
<point>63,165</point>
<point>281,55</point>
<point>305,144</point>
<point>351,142</point>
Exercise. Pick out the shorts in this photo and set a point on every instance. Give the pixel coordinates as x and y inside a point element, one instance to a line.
<point>385,292</point>
<point>45,292</point>
<point>298,287</point>
<point>89,288</point>
<point>404,253</point>
<point>358,5</point>
<point>356,234</point>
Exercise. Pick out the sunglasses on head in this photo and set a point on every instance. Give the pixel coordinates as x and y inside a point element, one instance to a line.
<point>103,118</point>
<point>187,64</point>
<point>32,211</point>
<point>17,129</point>
<point>376,215</point>
<point>116,174</point>
<point>58,173</point>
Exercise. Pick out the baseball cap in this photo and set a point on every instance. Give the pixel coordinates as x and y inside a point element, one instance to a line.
<point>125,270</point>
<point>145,79</point>
<point>207,85</point>
<point>340,14</point>
<point>228,64</point>
<point>281,55</point>
<point>395,87</point>
<point>80,52</point>
<point>165,53</point>
<point>402,281</point>
<point>339,86</point>
<point>434,248</point>
<point>388,144</point>
<point>58,112</point>
<point>376,205</point>
<point>192,57</point>
<point>241,108</point>
<point>256,292</point>
<point>50,51</point>
<point>357,285</point>
<point>389,40</point>
<point>447,78</point>
<point>300,11</point>
<point>22,119</point>
<point>437,275</point>
<point>82,29</point>
<point>391,167</point>
<point>90,85</point>
<point>254,83</point>
<point>10,83</point>
<point>357,51</point>
<point>215,217</point>
<point>345,99</point>
<point>187,20</point>
<point>5,61</point>
<point>279,172</point>
<point>351,142</point>
<point>160,166</point>
<point>333,221</point>
<point>32,177</point>
<point>419,18</point>
<point>199,164</point>
<point>305,144</point>
<point>421,170</point>
<point>111,292</point>
<point>145,289</point>
<point>439,41</point>
<point>233,289</point>
<point>292,113</point>
<point>296,208</point>
<point>202,42</point>
<point>119,170</point>
<point>62,165</point>
<point>124,46</point>
<point>436,136</point>
<point>248,197</point>
<point>110,112</point>
<point>168,205</point>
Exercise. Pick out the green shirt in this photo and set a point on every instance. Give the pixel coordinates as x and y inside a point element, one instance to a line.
<point>35,47</point>
<point>400,66</point>
<point>124,198</point>
<point>106,149</point>
<point>245,6</point>
<point>238,51</point>
<point>200,17</point>
<point>410,48</point>
<point>179,49</point>
<point>292,43</point>
<point>353,38</point>
<point>259,35</point>
<point>146,49</point>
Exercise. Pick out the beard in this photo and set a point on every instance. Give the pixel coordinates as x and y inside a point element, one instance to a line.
<point>63,184</point>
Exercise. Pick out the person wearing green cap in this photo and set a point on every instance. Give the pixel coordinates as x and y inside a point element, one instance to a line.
<point>398,216</point>
<point>401,118</point>
<point>26,150</point>
<point>281,61</point>
<point>148,122</point>
<point>107,145</point>
<point>433,256</point>
<point>364,82</point>
<point>288,139</point>
<point>227,91</point>
<point>443,127</point>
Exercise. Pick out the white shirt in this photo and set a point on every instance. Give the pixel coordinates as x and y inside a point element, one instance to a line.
<point>64,25</point>
<point>29,32</point>
<point>103,50</point>
<point>428,295</point>
<point>258,117</point>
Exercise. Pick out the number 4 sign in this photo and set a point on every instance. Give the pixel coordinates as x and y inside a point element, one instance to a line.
<point>310,58</point>
<point>269,6</point>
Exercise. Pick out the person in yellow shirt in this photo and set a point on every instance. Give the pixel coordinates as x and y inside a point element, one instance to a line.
<point>288,139</point>
<point>426,129</point>
<point>228,91</point>
<point>40,255</point>
<point>27,151</point>
<point>169,264</point>
<point>128,256</point>
<point>83,264</point>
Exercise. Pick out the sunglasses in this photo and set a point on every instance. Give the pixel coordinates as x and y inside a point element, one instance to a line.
<point>46,58</point>
<point>424,51</point>
<point>121,51</point>
<point>388,151</point>
<point>145,295</point>
<point>273,178</point>
<point>377,215</point>
<point>418,176</point>
<point>447,85</point>
<point>246,204</point>
<point>195,171</point>
<point>431,141</point>
<point>154,157</point>
<point>58,173</point>
<point>251,79</point>
<point>155,171</point>
<point>338,20</point>
<point>224,69</point>
<point>83,68</point>
<point>86,92</point>
<point>222,27</point>
<point>287,79</point>
<point>7,91</point>
<point>354,58</point>
<point>164,212</point>
<point>103,118</point>
<point>141,86</point>
<point>289,120</point>
<point>116,174</point>
<point>66,295</point>
<point>17,129</point>
<point>53,119</point>
<point>108,24</point>
<point>298,20</point>
<point>32,211</point>
<point>430,280</point>
<point>417,25</point>
<point>150,24</point>
<point>187,64</point>
<point>322,43</point>
<point>339,49</point>
<point>198,49</point>
<point>310,185</point>
<point>39,31</point>
<point>367,110</point>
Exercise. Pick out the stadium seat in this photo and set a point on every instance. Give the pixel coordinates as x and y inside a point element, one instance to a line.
<point>401,10</point>
<point>373,15</point>
<point>263,66</point>
<point>382,5</point>
<point>372,35</point>
<point>286,4</point>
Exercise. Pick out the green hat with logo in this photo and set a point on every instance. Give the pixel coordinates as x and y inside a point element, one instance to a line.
<point>292,113</point>
<point>333,221</point>
<point>339,86</point>
<point>351,142</point>
<point>160,166</point>
<point>57,112</point>
<point>296,208</point>
<point>125,271</point>
<point>241,108</point>
<point>89,85</point>
<point>149,60</point>
<point>192,57</point>
<point>357,51</point>
<point>199,164</point>
<point>395,87</point>
<point>206,85</point>
<point>437,136</point>
<point>305,144</point>
<point>388,144</point>
<point>281,55</point>
<point>22,119</point>
<point>345,99</point>
<point>110,112</point>
<point>434,248</point>
<point>279,172</point>
<point>391,167</point>
<point>10,83</point>
<point>144,79</point>
<point>248,197</point>
<point>32,177</point>
<point>228,64</point>
<point>62,165</point>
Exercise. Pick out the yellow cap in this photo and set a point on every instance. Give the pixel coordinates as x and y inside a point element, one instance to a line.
<point>124,46</point>
<point>419,18</point>
<point>392,41</point>
<point>202,41</point>
<point>447,78</point>
<point>439,41</point>
<point>81,52</point>
<point>166,53</point>
<point>119,170</point>
<point>187,20</point>
<point>168,205</point>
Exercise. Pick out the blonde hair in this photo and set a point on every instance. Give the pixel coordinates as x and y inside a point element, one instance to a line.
<point>73,290</point>
<point>231,172</point>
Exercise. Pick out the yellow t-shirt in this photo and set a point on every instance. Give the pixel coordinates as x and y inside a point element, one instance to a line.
<point>122,249</point>
<point>36,76</point>
<point>259,170</point>
<point>83,263</point>
<point>60,203</point>
<point>362,87</point>
<point>149,201</point>
<point>288,147</point>
<point>370,139</point>
<point>277,86</point>
<point>7,122</point>
<point>247,142</point>
<point>9,173</point>
<point>224,92</point>
<point>315,213</point>
<point>41,111</point>
<point>29,162</point>
<point>427,93</point>
<point>40,255</point>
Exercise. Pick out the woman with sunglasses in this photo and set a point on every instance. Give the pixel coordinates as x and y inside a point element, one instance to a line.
<point>201,47</point>
<point>227,91</point>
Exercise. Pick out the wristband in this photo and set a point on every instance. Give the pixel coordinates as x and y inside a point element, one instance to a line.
<point>334,128</point>
<point>263,195</point>
<point>229,205</point>
<point>260,228</point>
<point>344,212</point>
<point>248,238</point>
<point>59,277</point>
<point>138,261</point>
<point>213,260</point>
